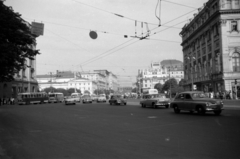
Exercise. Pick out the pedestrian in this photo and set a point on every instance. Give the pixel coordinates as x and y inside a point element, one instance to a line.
<point>221,95</point>
<point>0,101</point>
<point>12,101</point>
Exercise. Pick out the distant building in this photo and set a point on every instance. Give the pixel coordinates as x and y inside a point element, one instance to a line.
<point>91,81</point>
<point>211,47</point>
<point>159,72</point>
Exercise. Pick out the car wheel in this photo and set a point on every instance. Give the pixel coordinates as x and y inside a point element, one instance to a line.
<point>176,109</point>
<point>110,103</point>
<point>143,105</point>
<point>167,106</point>
<point>200,110</point>
<point>125,103</point>
<point>191,111</point>
<point>217,112</point>
<point>154,105</point>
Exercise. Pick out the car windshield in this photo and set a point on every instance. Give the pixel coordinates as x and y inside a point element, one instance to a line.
<point>199,95</point>
<point>86,96</point>
<point>101,95</point>
<point>159,96</point>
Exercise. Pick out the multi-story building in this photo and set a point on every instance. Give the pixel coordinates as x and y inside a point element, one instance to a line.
<point>211,47</point>
<point>113,82</point>
<point>97,77</point>
<point>66,80</point>
<point>159,72</point>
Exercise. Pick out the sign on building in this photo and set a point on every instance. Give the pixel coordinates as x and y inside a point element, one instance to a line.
<point>37,28</point>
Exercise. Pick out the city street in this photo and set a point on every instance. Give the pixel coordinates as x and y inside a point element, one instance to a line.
<point>99,130</point>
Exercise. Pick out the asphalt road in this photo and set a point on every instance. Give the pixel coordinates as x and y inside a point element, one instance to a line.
<point>98,130</point>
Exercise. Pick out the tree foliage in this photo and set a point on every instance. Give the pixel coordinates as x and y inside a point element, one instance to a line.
<point>172,82</point>
<point>16,41</point>
<point>67,92</point>
<point>159,87</point>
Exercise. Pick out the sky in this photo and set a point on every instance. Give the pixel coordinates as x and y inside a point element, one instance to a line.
<point>67,46</point>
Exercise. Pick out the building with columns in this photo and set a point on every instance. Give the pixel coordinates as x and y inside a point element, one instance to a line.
<point>211,47</point>
<point>159,72</point>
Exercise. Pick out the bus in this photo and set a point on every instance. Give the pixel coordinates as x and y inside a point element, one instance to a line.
<point>32,98</point>
<point>55,97</point>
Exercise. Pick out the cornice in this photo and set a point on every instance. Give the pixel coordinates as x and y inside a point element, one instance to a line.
<point>206,23</point>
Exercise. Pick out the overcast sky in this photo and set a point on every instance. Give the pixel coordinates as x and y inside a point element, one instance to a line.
<point>66,44</point>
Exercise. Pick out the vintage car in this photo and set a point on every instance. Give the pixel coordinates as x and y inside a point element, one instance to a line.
<point>196,101</point>
<point>70,100</point>
<point>87,99</point>
<point>101,98</point>
<point>117,99</point>
<point>94,97</point>
<point>151,98</point>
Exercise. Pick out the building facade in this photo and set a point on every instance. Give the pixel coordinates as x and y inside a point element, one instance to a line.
<point>211,47</point>
<point>66,80</point>
<point>159,72</point>
<point>91,80</point>
<point>24,81</point>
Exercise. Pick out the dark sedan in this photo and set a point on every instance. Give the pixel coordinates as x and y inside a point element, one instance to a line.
<point>117,99</point>
<point>196,101</point>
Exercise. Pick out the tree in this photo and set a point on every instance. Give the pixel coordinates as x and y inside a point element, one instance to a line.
<point>134,90</point>
<point>16,41</point>
<point>171,81</point>
<point>72,90</point>
<point>182,82</point>
<point>158,86</point>
<point>86,92</point>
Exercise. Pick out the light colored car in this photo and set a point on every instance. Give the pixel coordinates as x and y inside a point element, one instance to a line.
<point>154,100</point>
<point>87,99</point>
<point>117,99</point>
<point>70,100</point>
<point>101,98</point>
<point>196,101</point>
<point>94,97</point>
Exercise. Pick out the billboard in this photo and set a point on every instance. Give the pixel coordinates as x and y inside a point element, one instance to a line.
<point>37,28</point>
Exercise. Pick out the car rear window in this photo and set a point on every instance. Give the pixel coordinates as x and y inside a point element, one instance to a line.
<point>199,95</point>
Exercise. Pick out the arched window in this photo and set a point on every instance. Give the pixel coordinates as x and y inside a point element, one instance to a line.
<point>236,62</point>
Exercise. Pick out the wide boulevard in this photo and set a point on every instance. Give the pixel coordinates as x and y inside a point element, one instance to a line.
<point>100,130</point>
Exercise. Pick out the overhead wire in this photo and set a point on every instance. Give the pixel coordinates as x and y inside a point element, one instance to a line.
<point>99,56</point>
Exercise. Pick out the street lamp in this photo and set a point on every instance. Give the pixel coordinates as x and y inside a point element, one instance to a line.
<point>170,89</point>
<point>191,58</point>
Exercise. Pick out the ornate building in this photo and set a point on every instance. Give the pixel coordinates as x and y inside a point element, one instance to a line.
<point>159,72</point>
<point>211,47</point>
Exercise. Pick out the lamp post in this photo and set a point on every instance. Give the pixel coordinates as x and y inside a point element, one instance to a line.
<point>170,89</point>
<point>191,58</point>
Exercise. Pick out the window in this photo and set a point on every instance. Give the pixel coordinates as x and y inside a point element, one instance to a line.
<point>236,62</point>
<point>234,26</point>
<point>187,96</point>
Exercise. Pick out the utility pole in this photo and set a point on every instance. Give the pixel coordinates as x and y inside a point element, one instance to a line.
<point>170,92</point>
<point>51,82</point>
<point>191,61</point>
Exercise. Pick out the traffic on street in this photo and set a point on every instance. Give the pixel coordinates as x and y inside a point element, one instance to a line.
<point>101,130</point>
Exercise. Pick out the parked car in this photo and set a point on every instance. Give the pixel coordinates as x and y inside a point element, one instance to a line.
<point>70,100</point>
<point>154,100</point>
<point>87,99</point>
<point>94,97</point>
<point>101,98</point>
<point>196,101</point>
<point>77,96</point>
<point>55,97</point>
<point>117,99</point>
